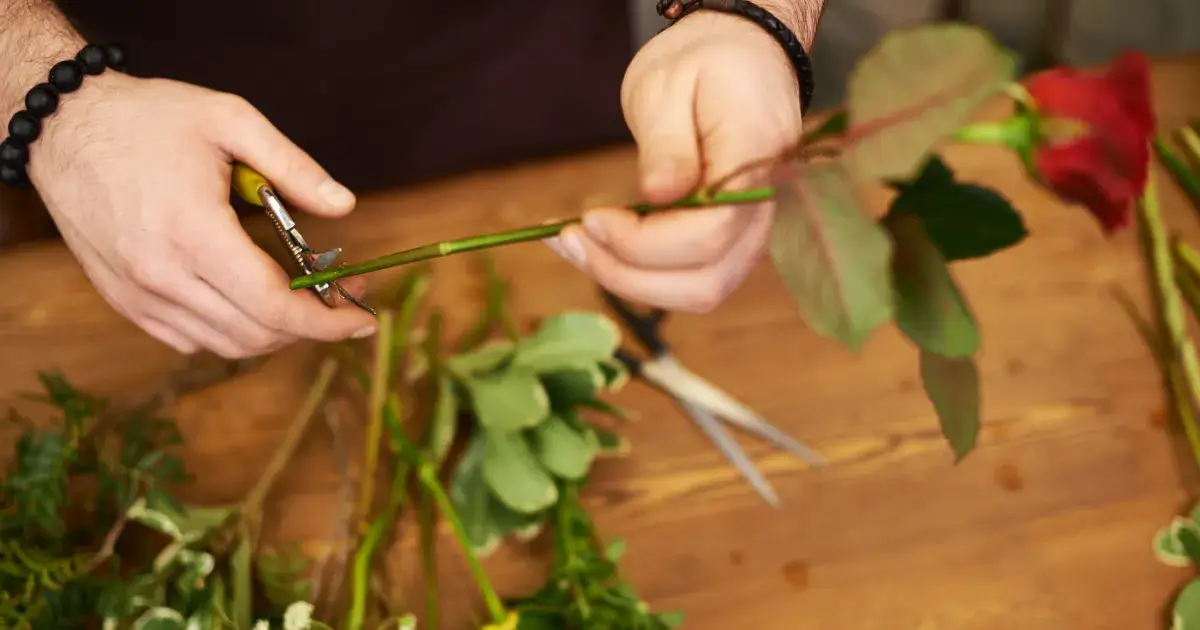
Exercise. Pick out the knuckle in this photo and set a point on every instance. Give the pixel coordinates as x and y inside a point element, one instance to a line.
<point>233,105</point>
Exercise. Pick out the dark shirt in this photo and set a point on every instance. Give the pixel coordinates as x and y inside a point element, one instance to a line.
<point>390,92</point>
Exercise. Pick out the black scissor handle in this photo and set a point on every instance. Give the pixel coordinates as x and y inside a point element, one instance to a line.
<point>645,328</point>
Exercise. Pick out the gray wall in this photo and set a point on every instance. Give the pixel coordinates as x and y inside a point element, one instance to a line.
<point>1097,29</point>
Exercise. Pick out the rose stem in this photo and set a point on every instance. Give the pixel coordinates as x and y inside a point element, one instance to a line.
<point>1177,345</point>
<point>520,235</point>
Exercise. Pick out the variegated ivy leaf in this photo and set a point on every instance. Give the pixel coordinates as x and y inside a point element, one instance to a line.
<point>916,87</point>
<point>567,340</point>
<point>159,618</point>
<point>1168,549</point>
<point>154,519</point>
<point>834,259</point>
<point>616,375</point>
<point>515,475</point>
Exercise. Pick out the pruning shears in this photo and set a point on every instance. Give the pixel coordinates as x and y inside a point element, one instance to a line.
<point>708,405</point>
<point>255,189</point>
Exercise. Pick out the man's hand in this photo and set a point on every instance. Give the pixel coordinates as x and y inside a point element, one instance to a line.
<point>704,98</point>
<point>136,174</point>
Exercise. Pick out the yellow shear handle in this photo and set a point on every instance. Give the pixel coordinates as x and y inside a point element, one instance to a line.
<point>247,182</point>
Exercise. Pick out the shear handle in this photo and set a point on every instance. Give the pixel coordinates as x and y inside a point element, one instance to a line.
<point>645,328</point>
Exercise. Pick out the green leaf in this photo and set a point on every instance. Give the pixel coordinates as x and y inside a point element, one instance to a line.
<point>568,339</point>
<point>523,527</point>
<point>472,499</point>
<point>834,259</point>
<point>615,549</point>
<point>616,375</point>
<point>1167,547</point>
<point>1189,540</point>
<point>508,401</point>
<point>952,385</point>
<point>610,444</point>
<point>1186,613</point>
<point>929,307</point>
<point>563,450</point>
<point>157,520</point>
<point>514,474</point>
<point>917,86</point>
<point>964,221</point>
<point>570,387</point>
<point>488,357</point>
<point>159,619</point>
<point>934,174</point>
<point>444,422</point>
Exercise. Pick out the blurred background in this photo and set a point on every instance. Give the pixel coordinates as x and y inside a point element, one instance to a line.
<point>1043,32</point>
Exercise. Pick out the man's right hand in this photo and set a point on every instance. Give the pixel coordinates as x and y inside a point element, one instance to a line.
<point>135,172</point>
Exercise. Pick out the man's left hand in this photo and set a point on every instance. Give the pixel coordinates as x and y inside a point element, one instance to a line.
<point>704,98</point>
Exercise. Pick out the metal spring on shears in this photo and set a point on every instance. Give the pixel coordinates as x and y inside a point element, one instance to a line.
<point>254,188</point>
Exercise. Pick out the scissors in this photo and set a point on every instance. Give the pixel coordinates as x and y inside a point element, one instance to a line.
<point>254,189</point>
<point>707,404</point>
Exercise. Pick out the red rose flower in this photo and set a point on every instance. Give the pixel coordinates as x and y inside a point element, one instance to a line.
<point>1103,165</point>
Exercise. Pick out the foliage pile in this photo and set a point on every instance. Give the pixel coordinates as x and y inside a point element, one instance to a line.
<point>527,453</point>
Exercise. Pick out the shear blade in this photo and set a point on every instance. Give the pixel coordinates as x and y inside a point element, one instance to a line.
<point>321,261</point>
<point>685,384</point>
<point>734,453</point>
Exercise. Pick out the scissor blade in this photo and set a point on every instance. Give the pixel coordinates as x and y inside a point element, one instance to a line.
<point>669,374</point>
<point>726,444</point>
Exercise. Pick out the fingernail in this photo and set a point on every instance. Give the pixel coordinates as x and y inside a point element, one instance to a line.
<point>568,247</point>
<point>595,228</point>
<point>335,194</point>
<point>364,332</point>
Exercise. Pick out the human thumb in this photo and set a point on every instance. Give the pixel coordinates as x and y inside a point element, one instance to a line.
<point>254,141</point>
<point>668,150</point>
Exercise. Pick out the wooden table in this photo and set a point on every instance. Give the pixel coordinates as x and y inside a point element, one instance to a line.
<point>1047,525</point>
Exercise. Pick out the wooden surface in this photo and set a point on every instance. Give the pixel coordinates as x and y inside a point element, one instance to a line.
<point>1047,525</point>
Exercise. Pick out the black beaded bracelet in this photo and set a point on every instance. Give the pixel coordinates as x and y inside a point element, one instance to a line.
<point>675,10</point>
<point>42,100</point>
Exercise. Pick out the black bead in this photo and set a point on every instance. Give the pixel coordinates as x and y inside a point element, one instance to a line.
<point>13,154</point>
<point>66,76</point>
<point>42,100</point>
<point>13,176</point>
<point>115,54</point>
<point>24,128</point>
<point>93,59</point>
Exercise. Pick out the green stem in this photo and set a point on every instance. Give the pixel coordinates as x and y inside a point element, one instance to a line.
<point>521,235</point>
<point>566,544</point>
<point>361,573</point>
<point>1171,312</point>
<point>380,380</point>
<point>429,557</point>
<point>427,474</point>
<point>1182,175</point>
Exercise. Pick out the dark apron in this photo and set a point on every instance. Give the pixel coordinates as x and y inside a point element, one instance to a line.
<point>385,93</point>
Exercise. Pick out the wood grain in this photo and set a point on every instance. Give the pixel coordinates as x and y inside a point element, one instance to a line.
<point>1047,525</point>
